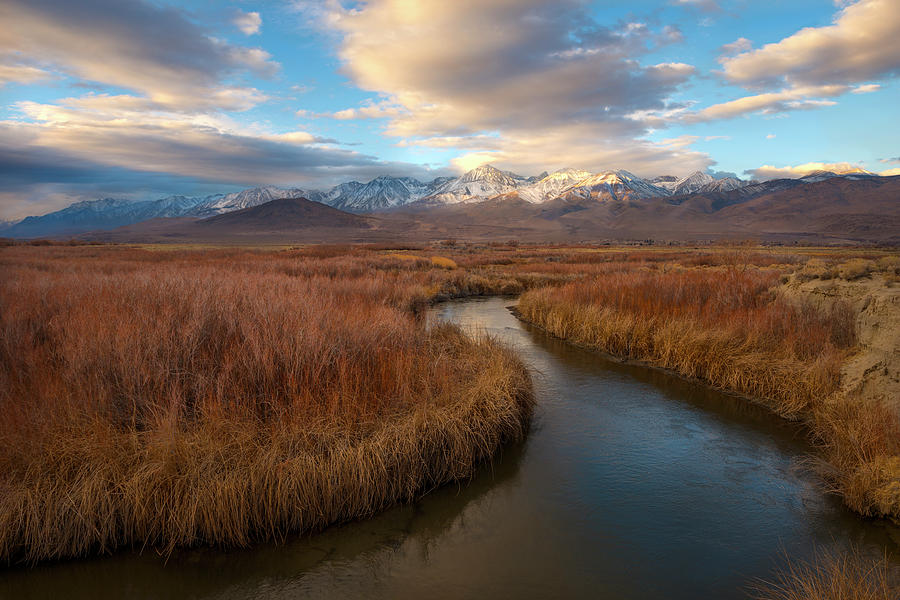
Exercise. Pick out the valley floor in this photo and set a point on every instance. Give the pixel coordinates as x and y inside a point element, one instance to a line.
<point>171,396</point>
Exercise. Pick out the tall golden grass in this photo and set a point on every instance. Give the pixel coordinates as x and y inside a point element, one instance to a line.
<point>860,442</point>
<point>722,326</point>
<point>178,398</point>
<point>726,326</point>
<point>832,576</point>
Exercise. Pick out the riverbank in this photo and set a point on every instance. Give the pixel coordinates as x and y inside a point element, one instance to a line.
<point>858,427</point>
<point>728,328</point>
<point>682,491</point>
<point>166,399</point>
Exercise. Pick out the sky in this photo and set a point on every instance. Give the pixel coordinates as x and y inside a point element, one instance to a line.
<point>149,98</point>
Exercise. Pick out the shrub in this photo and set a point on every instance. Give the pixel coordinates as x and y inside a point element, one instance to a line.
<point>855,269</point>
<point>443,262</point>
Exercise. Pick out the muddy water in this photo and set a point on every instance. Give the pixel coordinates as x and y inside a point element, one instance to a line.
<point>632,484</point>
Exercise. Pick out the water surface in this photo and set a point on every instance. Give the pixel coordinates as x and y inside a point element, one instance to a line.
<point>632,484</point>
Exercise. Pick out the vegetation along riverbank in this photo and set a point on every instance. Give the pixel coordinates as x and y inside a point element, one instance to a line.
<point>168,396</point>
<point>758,329</point>
<point>171,399</point>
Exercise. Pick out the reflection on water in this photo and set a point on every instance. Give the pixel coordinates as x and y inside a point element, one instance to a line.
<point>632,484</point>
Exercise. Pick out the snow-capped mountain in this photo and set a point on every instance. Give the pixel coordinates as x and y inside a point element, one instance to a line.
<point>386,192</point>
<point>854,174</point>
<point>697,182</point>
<point>693,183</point>
<point>613,185</point>
<point>334,194</point>
<point>726,184</point>
<point>478,184</point>
<point>248,198</point>
<point>667,182</point>
<point>552,185</point>
<point>106,213</point>
<point>380,193</point>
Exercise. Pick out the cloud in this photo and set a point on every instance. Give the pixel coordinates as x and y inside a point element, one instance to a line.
<point>793,172</point>
<point>94,142</point>
<point>736,47</point>
<point>515,71</point>
<point>803,98</point>
<point>171,129</point>
<point>153,50</point>
<point>15,68</point>
<point>771,136</point>
<point>866,89</point>
<point>369,110</point>
<point>805,70</point>
<point>861,45</point>
<point>247,22</point>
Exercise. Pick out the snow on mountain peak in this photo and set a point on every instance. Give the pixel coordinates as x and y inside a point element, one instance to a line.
<point>478,184</point>
<point>551,186</point>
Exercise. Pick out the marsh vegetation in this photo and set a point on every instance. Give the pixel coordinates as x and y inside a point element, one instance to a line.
<point>179,396</point>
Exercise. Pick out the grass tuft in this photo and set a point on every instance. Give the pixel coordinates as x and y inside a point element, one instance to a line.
<point>832,576</point>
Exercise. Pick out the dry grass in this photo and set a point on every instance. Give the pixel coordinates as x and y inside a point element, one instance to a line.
<point>185,395</point>
<point>221,397</point>
<point>832,576</point>
<point>722,326</point>
<point>861,446</point>
<point>855,268</point>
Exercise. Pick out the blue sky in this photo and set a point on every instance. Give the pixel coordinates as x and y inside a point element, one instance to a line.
<point>137,99</point>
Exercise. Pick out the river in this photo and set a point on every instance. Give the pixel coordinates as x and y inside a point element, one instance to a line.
<point>632,484</point>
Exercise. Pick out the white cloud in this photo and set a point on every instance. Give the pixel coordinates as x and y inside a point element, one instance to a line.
<point>153,50</point>
<point>771,136</point>
<point>804,70</point>
<point>866,89</point>
<point>247,22</point>
<point>369,110</point>
<point>98,140</point>
<point>736,47</point>
<point>13,69</point>
<point>802,98</point>
<point>861,45</point>
<point>514,71</point>
<point>792,172</point>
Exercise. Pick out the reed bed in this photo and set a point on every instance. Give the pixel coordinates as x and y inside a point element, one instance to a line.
<point>727,327</point>
<point>167,399</point>
<point>724,327</point>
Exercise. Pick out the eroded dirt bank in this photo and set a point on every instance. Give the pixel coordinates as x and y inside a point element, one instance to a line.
<point>873,372</point>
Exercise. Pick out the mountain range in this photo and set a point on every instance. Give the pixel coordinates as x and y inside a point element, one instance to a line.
<point>565,189</point>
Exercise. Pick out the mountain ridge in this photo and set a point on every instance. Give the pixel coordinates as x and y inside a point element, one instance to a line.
<point>388,193</point>
<point>837,210</point>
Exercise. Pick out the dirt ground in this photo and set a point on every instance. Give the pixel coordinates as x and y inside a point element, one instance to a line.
<point>874,371</point>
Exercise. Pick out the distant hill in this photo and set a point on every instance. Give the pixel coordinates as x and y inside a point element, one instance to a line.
<point>284,214</point>
<point>835,210</point>
<point>106,213</point>
<point>559,205</point>
<point>285,220</point>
